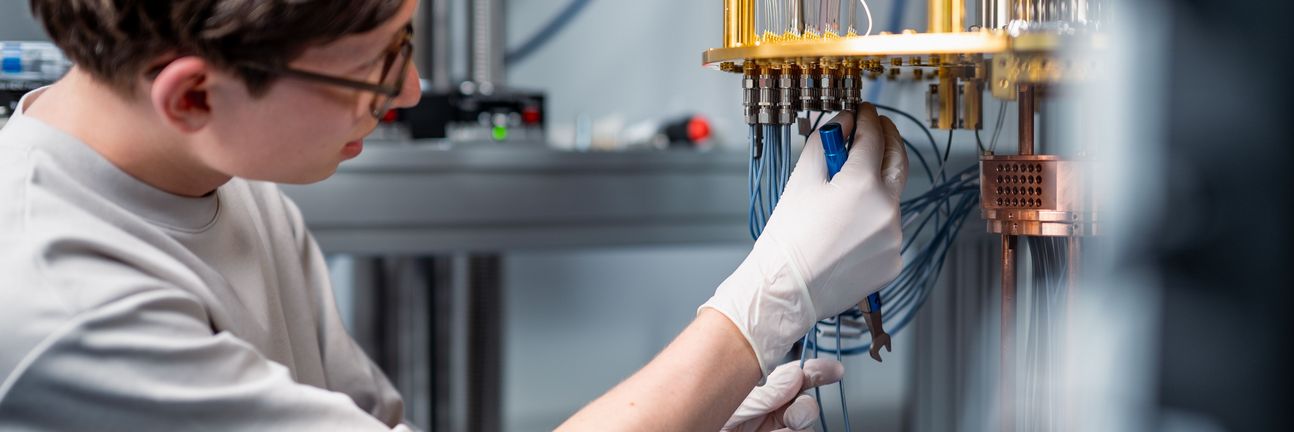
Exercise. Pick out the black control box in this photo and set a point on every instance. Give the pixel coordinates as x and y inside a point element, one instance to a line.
<point>501,116</point>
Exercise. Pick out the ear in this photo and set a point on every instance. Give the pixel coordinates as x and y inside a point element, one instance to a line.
<point>180,94</point>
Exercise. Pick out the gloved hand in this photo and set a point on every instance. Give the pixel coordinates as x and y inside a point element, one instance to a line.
<point>827,245</point>
<point>778,405</point>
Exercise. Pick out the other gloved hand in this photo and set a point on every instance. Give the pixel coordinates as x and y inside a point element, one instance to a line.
<point>827,245</point>
<point>778,405</point>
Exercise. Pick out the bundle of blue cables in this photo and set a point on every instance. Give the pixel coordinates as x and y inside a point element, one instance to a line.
<point>932,218</point>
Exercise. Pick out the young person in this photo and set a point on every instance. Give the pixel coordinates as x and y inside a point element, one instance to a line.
<point>153,277</point>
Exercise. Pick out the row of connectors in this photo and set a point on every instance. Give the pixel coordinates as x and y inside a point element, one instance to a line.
<point>892,73</point>
<point>872,68</point>
<point>773,93</point>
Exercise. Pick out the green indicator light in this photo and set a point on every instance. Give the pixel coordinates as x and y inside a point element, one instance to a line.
<point>500,133</point>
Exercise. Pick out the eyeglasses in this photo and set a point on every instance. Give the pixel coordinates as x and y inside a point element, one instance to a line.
<point>388,85</point>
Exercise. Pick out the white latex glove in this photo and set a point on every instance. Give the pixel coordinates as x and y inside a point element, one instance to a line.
<point>778,405</point>
<point>827,245</point>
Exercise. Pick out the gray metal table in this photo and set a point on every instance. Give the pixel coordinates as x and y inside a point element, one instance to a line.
<point>431,221</point>
<point>418,199</point>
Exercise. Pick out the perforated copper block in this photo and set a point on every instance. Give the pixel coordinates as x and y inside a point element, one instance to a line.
<point>1037,195</point>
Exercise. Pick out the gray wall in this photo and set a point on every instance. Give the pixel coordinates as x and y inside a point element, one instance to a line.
<point>16,22</point>
<point>632,60</point>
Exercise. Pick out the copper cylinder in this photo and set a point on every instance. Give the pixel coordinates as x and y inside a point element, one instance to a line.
<point>1006,357</point>
<point>1026,105</point>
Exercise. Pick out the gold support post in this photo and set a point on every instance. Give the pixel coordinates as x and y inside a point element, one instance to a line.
<point>972,104</point>
<point>935,16</point>
<point>731,22</point>
<point>738,23</point>
<point>946,16</point>
<point>948,92</point>
<point>748,22</point>
<point>957,16</point>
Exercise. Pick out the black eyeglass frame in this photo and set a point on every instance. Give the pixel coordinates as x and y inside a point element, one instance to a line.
<point>402,48</point>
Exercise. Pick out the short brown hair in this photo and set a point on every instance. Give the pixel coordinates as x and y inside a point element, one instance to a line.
<point>114,40</point>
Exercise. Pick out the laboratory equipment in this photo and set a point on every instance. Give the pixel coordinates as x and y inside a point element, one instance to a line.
<point>1017,52</point>
<point>26,66</point>
<point>479,107</point>
<point>465,114</point>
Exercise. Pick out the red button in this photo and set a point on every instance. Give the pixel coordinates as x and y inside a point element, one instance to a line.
<point>530,115</point>
<point>698,129</point>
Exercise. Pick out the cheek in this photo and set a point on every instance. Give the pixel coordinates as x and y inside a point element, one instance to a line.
<point>289,135</point>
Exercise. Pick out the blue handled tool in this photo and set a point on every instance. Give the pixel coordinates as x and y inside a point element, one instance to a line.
<point>833,146</point>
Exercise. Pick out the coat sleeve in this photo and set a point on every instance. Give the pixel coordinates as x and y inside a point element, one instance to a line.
<point>149,361</point>
<point>348,368</point>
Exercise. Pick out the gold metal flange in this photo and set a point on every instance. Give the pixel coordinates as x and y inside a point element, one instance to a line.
<point>866,46</point>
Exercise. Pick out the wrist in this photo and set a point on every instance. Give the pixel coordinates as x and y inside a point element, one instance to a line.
<point>768,306</point>
<point>731,342</point>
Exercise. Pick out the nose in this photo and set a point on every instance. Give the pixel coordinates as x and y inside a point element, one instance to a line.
<point>412,91</point>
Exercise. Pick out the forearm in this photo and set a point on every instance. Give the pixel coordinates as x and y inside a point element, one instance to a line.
<point>694,384</point>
